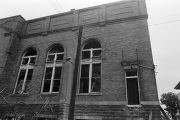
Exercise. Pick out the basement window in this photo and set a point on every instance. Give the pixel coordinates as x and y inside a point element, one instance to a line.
<point>133,95</point>
<point>25,72</point>
<point>90,81</point>
<point>53,70</point>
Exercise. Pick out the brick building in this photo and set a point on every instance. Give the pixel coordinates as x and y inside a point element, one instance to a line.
<point>116,78</point>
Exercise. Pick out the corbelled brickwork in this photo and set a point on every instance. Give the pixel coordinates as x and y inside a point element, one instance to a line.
<point>121,29</point>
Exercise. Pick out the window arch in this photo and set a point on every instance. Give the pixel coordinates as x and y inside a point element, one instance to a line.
<point>25,72</point>
<point>90,81</point>
<point>53,68</point>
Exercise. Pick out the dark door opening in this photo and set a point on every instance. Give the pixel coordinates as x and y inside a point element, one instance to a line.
<point>132,90</point>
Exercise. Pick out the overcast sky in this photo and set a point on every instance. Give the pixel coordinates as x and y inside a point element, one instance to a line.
<point>164,27</point>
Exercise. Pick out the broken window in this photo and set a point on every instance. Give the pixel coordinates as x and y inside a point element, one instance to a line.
<point>50,58</point>
<point>90,81</point>
<point>96,54</point>
<point>96,78</point>
<point>93,44</point>
<point>25,72</point>
<point>132,88</point>
<point>52,77</point>
<point>85,54</point>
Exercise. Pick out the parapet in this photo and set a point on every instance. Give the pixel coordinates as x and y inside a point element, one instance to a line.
<point>93,16</point>
<point>15,24</point>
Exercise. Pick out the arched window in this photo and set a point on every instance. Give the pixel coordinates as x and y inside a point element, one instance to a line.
<point>25,72</point>
<point>90,81</point>
<point>52,77</point>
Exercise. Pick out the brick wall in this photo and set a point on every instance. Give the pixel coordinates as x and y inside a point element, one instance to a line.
<point>120,27</point>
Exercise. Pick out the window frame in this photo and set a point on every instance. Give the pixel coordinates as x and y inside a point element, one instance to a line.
<point>52,64</point>
<point>25,67</point>
<point>129,77</point>
<point>90,61</point>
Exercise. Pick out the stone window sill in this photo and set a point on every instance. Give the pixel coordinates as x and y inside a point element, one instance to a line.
<point>89,94</point>
<point>49,94</point>
<point>133,106</point>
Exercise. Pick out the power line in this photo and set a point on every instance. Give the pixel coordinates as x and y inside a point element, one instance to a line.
<point>59,4</point>
<point>54,5</point>
<point>167,22</point>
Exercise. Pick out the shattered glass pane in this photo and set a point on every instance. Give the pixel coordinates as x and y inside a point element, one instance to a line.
<point>92,44</point>
<point>31,52</point>
<point>96,53</point>
<point>25,61</point>
<point>20,82</point>
<point>50,58</point>
<point>96,70</point>
<point>29,75</point>
<point>84,85</point>
<point>56,85</point>
<point>56,49</point>
<point>96,84</point>
<point>22,74</point>
<point>59,57</point>
<point>28,80</point>
<point>27,86</point>
<point>85,54</point>
<point>48,73</point>
<point>32,60</point>
<point>19,87</point>
<point>85,70</point>
<point>57,73</point>
<point>46,87</point>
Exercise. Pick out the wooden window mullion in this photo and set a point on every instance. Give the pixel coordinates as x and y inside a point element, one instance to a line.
<point>53,73</point>
<point>25,77</point>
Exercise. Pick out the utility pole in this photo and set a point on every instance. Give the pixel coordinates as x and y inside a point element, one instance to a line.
<point>75,76</point>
